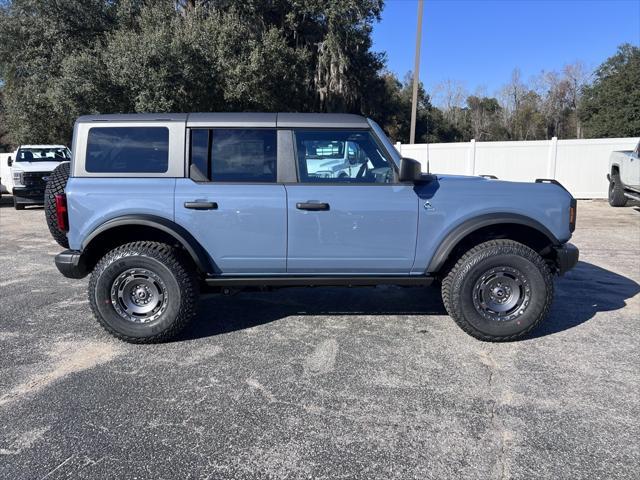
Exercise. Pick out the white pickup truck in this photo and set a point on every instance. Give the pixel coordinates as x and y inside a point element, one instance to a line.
<point>624,177</point>
<point>25,172</point>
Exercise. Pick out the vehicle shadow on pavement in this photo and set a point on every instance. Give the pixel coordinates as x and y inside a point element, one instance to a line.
<point>580,294</point>
<point>220,314</point>
<point>583,292</point>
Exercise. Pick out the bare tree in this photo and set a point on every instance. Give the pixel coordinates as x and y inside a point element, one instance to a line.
<point>521,109</point>
<point>510,99</point>
<point>577,77</point>
<point>450,96</point>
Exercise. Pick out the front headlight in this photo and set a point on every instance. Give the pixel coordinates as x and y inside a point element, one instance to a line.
<point>18,178</point>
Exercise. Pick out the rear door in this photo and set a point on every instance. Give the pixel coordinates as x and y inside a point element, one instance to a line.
<point>361,223</point>
<point>231,202</point>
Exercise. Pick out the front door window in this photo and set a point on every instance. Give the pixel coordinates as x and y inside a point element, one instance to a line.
<point>341,156</point>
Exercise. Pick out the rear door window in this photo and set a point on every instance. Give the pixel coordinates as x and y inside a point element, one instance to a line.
<point>233,155</point>
<point>127,150</point>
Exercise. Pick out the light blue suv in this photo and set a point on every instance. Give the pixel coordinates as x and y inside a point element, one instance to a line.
<point>160,207</point>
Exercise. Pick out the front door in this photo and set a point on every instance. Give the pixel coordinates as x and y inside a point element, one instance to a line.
<point>362,222</point>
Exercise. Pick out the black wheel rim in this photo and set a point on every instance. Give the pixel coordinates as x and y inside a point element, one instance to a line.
<point>501,294</point>
<point>139,295</point>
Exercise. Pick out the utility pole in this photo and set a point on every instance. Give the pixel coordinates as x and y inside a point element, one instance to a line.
<point>416,69</point>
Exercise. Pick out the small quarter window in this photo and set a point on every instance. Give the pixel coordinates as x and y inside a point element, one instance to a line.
<point>200,153</point>
<point>127,150</point>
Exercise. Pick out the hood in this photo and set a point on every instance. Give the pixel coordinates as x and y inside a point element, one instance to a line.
<point>468,178</point>
<point>477,189</point>
<point>34,166</point>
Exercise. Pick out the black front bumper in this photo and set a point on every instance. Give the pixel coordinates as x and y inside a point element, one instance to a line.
<point>71,264</point>
<point>31,195</point>
<point>567,256</point>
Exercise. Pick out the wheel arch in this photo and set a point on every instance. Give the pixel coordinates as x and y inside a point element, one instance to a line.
<point>490,227</point>
<point>123,229</point>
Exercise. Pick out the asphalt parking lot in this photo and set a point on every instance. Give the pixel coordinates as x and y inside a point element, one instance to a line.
<point>322,383</point>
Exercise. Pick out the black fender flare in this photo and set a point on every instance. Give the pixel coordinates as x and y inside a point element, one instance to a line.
<point>463,229</point>
<point>188,242</point>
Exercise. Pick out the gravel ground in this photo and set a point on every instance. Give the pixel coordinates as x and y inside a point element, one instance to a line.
<point>322,383</point>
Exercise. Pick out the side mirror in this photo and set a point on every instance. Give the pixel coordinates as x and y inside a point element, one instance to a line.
<point>410,170</point>
<point>9,161</point>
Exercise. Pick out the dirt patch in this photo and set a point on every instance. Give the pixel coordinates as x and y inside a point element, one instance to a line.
<point>24,441</point>
<point>67,358</point>
<point>323,358</point>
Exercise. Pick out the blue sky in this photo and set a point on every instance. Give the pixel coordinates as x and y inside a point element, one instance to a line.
<point>479,43</point>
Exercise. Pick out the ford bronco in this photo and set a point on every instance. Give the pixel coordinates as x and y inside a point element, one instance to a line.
<point>160,207</point>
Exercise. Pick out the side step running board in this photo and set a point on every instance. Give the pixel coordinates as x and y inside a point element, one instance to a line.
<point>300,281</point>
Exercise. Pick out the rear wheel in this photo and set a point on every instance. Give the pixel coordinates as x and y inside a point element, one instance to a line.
<point>56,185</point>
<point>498,291</point>
<point>616,192</point>
<point>143,292</point>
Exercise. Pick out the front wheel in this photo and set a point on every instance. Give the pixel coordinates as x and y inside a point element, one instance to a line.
<point>498,291</point>
<point>143,292</point>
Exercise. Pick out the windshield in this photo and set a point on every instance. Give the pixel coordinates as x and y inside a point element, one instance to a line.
<point>386,142</point>
<point>48,154</point>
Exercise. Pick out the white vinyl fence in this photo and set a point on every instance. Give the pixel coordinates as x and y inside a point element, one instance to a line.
<point>580,165</point>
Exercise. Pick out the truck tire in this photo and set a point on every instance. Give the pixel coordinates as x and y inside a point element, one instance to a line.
<point>143,292</point>
<point>56,184</point>
<point>498,291</point>
<point>616,192</point>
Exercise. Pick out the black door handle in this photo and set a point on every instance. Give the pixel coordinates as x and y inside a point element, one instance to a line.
<point>199,205</point>
<point>314,206</point>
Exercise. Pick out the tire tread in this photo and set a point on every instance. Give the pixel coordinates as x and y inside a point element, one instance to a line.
<point>616,192</point>
<point>175,262</point>
<point>56,185</point>
<point>452,300</point>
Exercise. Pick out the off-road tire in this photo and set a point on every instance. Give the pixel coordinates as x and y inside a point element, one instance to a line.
<point>174,270</point>
<point>458,289</point>
<point>56,185</point>
<point>616,192</point>
<point>18,206</point>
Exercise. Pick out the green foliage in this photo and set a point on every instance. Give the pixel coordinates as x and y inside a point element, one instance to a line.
<point>611,106</point>
<point>38,39</point>
<point>60,59</point>
<point>64,58</point>
<point>484,119</point>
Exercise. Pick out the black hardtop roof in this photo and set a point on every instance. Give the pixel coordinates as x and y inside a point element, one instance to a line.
<point>239,119</point>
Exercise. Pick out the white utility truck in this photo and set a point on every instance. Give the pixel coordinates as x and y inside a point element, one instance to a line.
<point>25,172</point>
<point>624,177</point>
